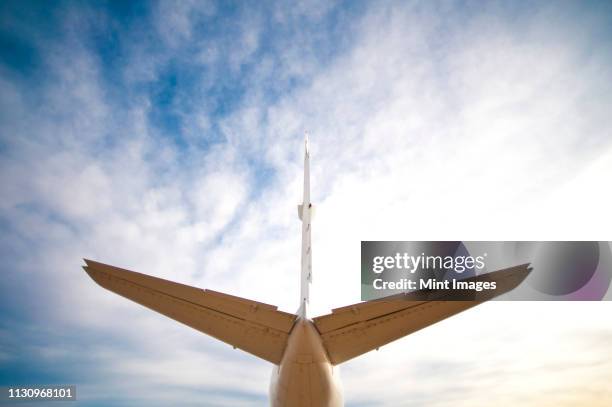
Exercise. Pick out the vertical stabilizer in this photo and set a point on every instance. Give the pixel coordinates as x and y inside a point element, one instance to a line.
<point>305,215</point>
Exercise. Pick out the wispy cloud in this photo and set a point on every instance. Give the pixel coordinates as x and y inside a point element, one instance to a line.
<point>166,138</point>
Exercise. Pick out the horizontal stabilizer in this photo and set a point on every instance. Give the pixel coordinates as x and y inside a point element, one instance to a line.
<point>255,327</point>
<point>356,329</point>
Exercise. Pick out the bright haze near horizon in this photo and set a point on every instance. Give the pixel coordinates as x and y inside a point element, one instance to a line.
<point>167,138</point>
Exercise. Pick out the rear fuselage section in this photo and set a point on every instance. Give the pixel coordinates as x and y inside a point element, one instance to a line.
<point>305,377</point>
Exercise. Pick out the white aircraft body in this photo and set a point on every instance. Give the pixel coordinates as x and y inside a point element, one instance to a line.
<point>306,352</point>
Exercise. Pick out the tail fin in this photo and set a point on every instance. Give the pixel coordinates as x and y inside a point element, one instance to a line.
<point>305,214</point>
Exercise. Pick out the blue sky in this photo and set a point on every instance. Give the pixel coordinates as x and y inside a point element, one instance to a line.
<point>166,137</point>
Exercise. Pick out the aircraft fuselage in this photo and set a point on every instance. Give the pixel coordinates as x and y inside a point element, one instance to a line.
<point>305,377</point>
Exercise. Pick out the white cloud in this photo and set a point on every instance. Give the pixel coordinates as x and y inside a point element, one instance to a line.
<point>175,20</point>
<point>484,133</point>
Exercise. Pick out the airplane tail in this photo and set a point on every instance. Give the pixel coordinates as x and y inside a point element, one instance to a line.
<point>305,211</point>
<point>264,331</point>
